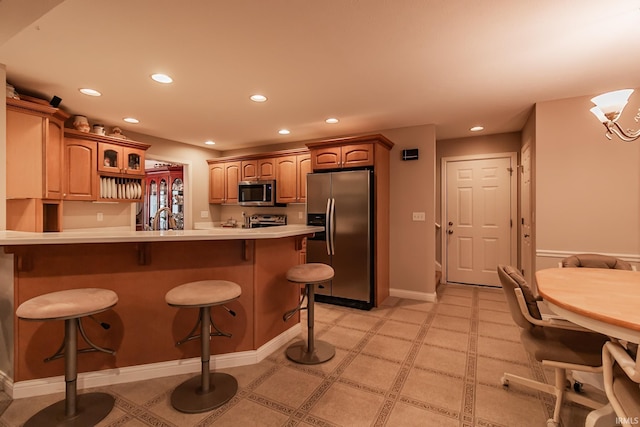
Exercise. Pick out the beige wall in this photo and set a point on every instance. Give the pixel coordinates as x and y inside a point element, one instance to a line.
<point>587,187</point>
<point>412,244</point>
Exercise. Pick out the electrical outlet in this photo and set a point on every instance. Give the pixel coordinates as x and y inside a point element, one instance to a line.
<point>418,216</point>
<point>204,214</point>
<point>100,217</point>
<point>300,215</point>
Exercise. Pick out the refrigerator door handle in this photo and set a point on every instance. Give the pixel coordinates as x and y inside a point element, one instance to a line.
<point>332,226</point>
<point>327,230</point>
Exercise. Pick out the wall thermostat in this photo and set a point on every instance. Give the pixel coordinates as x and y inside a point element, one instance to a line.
<point>411,154</point>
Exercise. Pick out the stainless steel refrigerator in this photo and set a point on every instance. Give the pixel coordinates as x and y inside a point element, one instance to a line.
<point>342,203</point>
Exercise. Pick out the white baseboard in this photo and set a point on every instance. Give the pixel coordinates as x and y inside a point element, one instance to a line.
<point>129,374</point>
<point>419,296</point>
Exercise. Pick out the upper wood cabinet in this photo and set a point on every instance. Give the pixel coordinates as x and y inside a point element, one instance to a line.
<point>291,178</point>
<point>120,159</point>
<point>80,179</point>
<point>223,182</point>
<point>288,168</point>
<point>258,169</point>
<point>34,153</point>
<point>100,167</point>
<point>342,156</point>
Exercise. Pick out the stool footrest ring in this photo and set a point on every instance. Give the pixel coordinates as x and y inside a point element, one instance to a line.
<point>94,347</point>
<point>290,313</point>
<point>192,336</point>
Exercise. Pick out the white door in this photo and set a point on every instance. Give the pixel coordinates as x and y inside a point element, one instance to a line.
<point>478,219</point>
<point>526,263</point>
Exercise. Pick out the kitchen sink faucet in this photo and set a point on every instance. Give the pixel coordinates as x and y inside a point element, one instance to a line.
<point>171,221</point>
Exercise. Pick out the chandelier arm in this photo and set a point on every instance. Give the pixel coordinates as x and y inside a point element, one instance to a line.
<point>628,136</point>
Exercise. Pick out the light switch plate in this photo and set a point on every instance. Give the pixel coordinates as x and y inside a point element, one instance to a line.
<point>418,216</point>
<point>204,214</point>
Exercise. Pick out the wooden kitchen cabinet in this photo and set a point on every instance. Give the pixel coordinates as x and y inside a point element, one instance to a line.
<point>342,156</point>
<point>34,165</point>
<point>291,178</point>
<point>103,168</point>
<point>258,169</point>
<point>80,179</point>
<point>120,159</point>
<point>223,182</point>
<point>34,150</point>
<point>289,168</point>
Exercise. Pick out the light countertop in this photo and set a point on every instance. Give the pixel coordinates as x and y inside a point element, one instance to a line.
<point>11,238</point>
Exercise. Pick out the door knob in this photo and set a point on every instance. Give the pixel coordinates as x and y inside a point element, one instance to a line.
<point>449,231</point>
<point>450,223</point>
<point>526,235</point>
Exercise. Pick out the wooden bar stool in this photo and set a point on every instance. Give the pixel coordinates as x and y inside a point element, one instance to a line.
<point>71,305</point>
<point>209,390</point>
<point>312,352</point>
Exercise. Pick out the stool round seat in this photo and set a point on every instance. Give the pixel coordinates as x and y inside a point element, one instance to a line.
<point>310,273</point>
<point>203,293</point>
<point>67,304</point>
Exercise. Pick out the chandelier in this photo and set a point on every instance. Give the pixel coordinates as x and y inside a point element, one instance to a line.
<point>608,109</point>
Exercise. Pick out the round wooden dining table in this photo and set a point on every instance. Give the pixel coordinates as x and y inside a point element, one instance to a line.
<point>602,300</point>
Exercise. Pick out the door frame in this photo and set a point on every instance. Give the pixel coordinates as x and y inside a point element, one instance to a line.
<point>513,203</point>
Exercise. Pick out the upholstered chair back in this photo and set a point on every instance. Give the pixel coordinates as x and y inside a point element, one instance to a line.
<point>595,261</point>
<point>511,279</point>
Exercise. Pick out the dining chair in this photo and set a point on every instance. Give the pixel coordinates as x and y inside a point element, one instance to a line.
<point>595,261</point>
<point>557,344</point>
<point>621,371</point>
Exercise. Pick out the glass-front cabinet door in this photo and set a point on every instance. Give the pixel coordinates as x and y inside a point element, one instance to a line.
<point>153,201</point>
<point>163,202</point>
<point>177,202</point>
<point>134,161</point>
<point>109,158</point>
<point>122,160</point>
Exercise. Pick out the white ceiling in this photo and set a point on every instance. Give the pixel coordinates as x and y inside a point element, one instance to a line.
<point>374,64</point>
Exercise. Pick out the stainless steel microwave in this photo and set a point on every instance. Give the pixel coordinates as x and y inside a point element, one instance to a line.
<point>257,193</point>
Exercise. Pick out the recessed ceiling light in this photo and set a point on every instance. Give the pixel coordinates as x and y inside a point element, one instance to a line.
<point>131,120</point>
<point>284,131</point>
<point>161,78</point>
<point>332,120</point>
<point>476,129</point>
<point>90,92</point>
<point>209,143</point>
<point>258,98</point>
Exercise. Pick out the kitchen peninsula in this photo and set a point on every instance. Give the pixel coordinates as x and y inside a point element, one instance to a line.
<point>141,266</point>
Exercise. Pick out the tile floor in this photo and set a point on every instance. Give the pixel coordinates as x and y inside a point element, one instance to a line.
<point>407,363</point>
